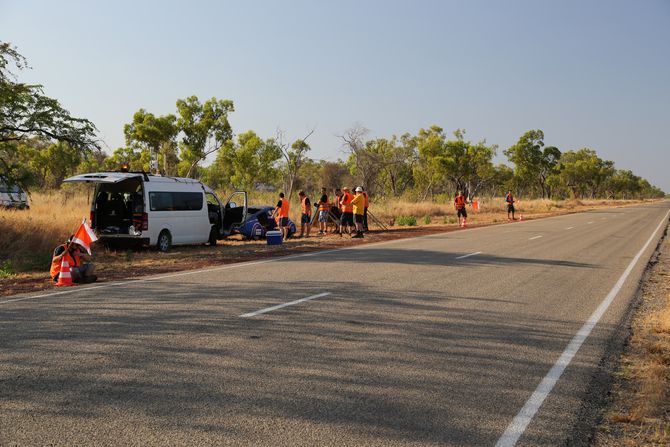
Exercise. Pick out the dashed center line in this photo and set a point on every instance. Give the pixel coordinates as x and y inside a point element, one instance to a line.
<point>279,306</point>
<point>570,228</point>
<point>589,223</point>
<point>469,254</point>
<point>534,237</point>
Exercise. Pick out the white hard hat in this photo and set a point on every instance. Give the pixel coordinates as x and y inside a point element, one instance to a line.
<point>359,189</point>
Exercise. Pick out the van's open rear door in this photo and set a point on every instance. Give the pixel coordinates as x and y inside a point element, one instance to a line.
<point>102,177</point>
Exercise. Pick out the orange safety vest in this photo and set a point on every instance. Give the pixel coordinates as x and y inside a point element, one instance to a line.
<point>283,209</point>
<point>460,202</point>
<point>367,199</point>
<point>56,262</point>
<point>324,206</point>
<point>303,206</point>
<point>345,202</point>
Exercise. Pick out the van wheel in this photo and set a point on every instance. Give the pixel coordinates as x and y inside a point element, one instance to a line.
<point>164,241</point>
<point>212,237</point>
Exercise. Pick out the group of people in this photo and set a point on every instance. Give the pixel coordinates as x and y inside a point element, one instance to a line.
<point>462,214</point>
<point>349,212</point>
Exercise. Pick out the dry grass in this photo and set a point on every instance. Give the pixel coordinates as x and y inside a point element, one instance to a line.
<point>639,414</point>
<point>28,237</point>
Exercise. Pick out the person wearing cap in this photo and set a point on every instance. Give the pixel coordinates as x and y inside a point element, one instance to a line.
<point>358,204</point>
<point>82,272</point>
<point>347,220</point>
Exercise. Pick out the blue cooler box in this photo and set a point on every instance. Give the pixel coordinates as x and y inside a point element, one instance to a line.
<point>274,237</point>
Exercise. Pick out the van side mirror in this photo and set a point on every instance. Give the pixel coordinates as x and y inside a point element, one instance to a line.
<point>232,204</point>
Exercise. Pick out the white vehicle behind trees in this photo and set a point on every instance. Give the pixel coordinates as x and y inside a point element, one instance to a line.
<point>13,197</point>
<point>143,209</point>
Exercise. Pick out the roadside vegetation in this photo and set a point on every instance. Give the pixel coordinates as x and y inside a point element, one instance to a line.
<point>638,413</point>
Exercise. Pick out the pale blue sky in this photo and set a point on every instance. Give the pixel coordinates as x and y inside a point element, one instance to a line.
<point>588,73</point>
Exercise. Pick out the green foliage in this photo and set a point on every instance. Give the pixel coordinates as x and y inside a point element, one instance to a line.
<point>25,113</point>
<point>206,130</point>
<point>406,221</point>
<point>426,219</point>
<point>6,269</point>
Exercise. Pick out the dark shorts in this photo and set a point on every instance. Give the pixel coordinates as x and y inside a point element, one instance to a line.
<point>283,221</point>
<point>305,218</point>
<point>359,218</point>
<point>462,213</point>
<point>510,208</point>
<point>347,219</point>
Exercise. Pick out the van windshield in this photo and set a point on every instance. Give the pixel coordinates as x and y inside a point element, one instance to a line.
<point>9,189</point>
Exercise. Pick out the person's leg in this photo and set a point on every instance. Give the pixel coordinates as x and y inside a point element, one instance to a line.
<point>365,219</point>
<point>309,224</point>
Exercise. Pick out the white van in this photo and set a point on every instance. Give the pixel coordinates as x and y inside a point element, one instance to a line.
<point>13,197</point>
<point>140,208</point>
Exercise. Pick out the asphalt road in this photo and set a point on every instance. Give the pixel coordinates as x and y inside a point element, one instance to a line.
<point>438,340</point>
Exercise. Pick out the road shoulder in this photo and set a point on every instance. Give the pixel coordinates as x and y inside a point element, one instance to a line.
<point>637,407</point>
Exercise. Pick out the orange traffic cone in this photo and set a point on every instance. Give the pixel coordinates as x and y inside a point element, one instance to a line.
<point>520,217</point>
<point>64,277</point>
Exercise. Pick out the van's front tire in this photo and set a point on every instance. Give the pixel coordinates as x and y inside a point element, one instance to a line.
<point>164,241</point>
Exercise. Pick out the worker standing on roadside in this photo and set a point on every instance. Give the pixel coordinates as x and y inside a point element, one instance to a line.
<point>365,211</point>
<point>509,199</point>
<point>459,205</point>
<point>358,206</point>
<point>347,220</point>
<point>305,214</point>
<point>281,211</point>
<point>335,208</point>
<point>324,210</point>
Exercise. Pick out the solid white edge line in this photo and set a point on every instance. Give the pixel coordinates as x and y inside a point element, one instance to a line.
<point>279,306</point>
<point>520,422</point>
<point>534,237</point>
<point>264,261</point>
<point>470,254</point>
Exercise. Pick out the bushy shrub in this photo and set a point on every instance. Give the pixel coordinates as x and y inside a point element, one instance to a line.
<point>426,219</point>
<point>406,221</point>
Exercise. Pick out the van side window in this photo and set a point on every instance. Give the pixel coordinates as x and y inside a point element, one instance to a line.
<point>175,201</point>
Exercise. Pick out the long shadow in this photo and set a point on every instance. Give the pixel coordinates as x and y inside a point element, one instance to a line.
<point>430,257</point>
<point>377,365</point>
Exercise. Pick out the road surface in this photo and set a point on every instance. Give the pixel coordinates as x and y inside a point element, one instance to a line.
<point>477,337</point>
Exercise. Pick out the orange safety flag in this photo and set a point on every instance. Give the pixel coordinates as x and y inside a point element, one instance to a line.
<point>475,205</point>
<point>84,236</point>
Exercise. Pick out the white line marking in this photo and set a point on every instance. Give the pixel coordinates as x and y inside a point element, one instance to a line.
<point>570,228</point>
<point>279,306</point>
<point>264,261</point>
<point>589,223</point>
<point>468,255</point>
<point>517,427</point>
<point>535,237</point>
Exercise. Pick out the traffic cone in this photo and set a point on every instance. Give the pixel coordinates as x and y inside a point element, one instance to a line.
<point>64,277</point>
<point>520,217</point>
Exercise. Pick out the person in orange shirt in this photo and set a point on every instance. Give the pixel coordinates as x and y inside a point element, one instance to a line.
<point>305,214</point>
<point>459,205</point>
<point>347,220</point>
<point>281,211</point>
<point>324,211</point>
<point>358,204</point>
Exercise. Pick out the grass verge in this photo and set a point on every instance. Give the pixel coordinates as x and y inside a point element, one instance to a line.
<point>638,410</point>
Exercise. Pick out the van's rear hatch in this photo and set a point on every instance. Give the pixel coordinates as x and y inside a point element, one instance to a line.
<point>117,211</point>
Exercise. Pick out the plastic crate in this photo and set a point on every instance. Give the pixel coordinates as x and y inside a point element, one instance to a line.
<point>274,237</point>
